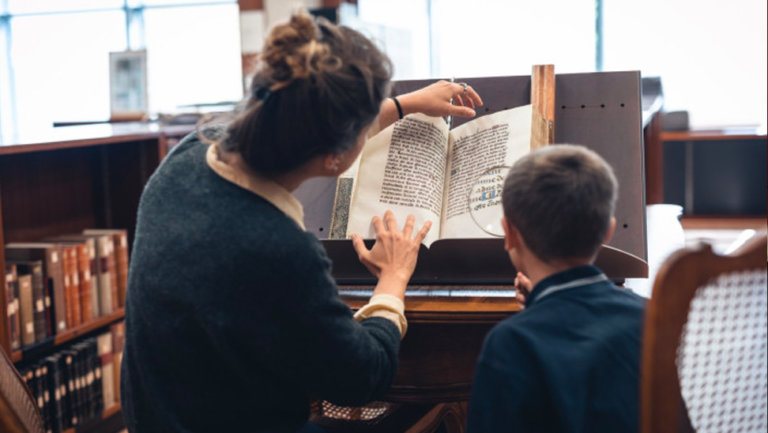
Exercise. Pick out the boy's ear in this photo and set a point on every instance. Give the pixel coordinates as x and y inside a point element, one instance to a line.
<point>510,233</point>
<point>611,229</point>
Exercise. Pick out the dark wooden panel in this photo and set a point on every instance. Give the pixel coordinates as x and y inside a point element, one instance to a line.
<point>49,193</point>
<point>126,168</point>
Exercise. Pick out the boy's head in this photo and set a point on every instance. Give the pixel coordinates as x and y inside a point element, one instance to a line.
<point>561,199</point>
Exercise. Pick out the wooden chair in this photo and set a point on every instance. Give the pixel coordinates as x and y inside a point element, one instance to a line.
<point>18,411</point>
<point>706,340</point>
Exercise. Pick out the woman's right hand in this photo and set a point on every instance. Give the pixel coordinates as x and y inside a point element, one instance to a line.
<point>393,257</point>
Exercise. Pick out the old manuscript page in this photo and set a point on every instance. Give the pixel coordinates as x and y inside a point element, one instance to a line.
<point>402,169</point>
<point>496,139</point>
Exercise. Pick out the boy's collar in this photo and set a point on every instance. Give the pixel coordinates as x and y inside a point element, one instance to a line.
<point>574,277</point>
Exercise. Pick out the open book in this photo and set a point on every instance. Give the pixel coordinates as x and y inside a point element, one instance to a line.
<point>418,166</point>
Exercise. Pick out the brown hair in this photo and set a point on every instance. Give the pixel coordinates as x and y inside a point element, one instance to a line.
<point>317,87</point>
<point>561,199</point>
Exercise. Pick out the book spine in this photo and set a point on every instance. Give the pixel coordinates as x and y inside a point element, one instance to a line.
<point>80,390</point>
<point>94,271</point>
<point>95,387</point>
<point>98,384</point>
<point>12,306</point>
<point>27,310</point>
<point>71,287</point>
<point>107,368</point>
<point>112,267</point>
<point>55,276</point>
<point>39,393</point>
<point>72,397</point>
<point>54,385</point>
<point>105,280</point>
<point>47,400</point>
<point>38,298</point>
<point>121,248</point>
<point>118,341</point>
<point>84,277</point>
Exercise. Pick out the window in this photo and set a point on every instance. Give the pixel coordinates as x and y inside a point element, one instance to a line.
<point>710,55</point>
<point>59,74</point>
<point>196,62</point>
<point>499,37</point>
<point>54,56</point>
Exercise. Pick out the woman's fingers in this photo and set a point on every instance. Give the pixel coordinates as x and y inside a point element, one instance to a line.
<point>389,220</point>
<point>359,246</point>
<point>473,97</point>
<point>408,229</point>
<point>378,225</point>
<point>423,231</point>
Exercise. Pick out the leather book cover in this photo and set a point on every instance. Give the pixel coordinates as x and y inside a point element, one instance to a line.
<point>118,341</point>
<point>34,268</point>
<point>27,310</point>
<point>102,274</point>
<point>72,396</point>
<point>120,240</point>
<point>39,391</point>
<point>87,273</point>
<point>84,280</point>
<point>107,368</point>
<point>71,285</point>
<point>50,253</point>
<point>94,364</point>
<point>12,306</point>
<point>55,387</point>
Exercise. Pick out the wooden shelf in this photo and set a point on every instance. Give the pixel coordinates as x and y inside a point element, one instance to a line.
<point>89,135</point>
<point>68,335</point>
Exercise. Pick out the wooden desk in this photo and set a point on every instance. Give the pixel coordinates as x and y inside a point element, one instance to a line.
<point>446,329</point>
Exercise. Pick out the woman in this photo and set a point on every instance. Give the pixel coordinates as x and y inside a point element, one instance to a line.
<point>233,321</point>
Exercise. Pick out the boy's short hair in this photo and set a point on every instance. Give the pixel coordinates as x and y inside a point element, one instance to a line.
<point>561,199</point>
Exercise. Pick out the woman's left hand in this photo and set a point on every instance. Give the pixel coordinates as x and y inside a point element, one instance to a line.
<point>442,98</point>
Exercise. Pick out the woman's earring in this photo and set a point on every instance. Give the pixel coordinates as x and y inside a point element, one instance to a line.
<point>335,165</point>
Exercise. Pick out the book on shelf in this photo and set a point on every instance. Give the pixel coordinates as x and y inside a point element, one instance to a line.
<point>66,385</point>
<point>50,254</point>
<point>58,391</point>
<point>12,306</point>
<point>118,341</point>
<point>105,353</point>
<point>103,248</point>
<point>34,268</point>
<point>120,256</point>
<point>88,290</point>
<point>419,166</point>
<point>27,310</point>
<point>71,285</point>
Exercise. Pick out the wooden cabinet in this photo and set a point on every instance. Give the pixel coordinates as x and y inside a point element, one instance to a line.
<point>69,179</point>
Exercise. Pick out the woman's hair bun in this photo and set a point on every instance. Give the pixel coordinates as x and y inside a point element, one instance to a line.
<point>317,86</point>
<point>292,50</point>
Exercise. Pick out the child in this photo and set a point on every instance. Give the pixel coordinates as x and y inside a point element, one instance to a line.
<point>569,362</point>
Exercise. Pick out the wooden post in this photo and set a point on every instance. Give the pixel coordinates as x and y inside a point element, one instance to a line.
<point>543,102</point>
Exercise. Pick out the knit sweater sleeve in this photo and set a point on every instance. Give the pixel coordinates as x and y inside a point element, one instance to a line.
<point>314,339</point>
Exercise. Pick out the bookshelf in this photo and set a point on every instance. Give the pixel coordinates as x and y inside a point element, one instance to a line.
<point>68,179</point>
